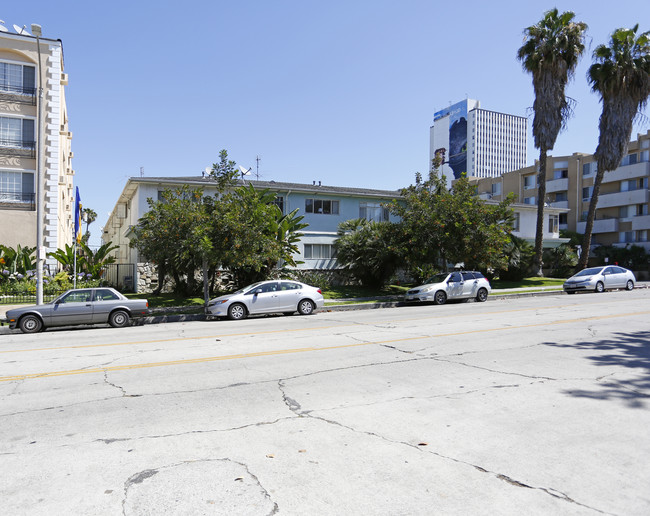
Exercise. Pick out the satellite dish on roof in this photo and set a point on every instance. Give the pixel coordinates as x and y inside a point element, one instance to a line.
<point>21,30</point>
<point>244,172</point>
<point>2,27</point>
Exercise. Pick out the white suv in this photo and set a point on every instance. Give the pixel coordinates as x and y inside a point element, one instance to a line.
<point>451,285</point>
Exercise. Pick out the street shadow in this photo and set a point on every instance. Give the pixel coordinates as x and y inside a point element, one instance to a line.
<point>624,350</point>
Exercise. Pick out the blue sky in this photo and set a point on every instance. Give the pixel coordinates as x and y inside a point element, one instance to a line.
<point>341,92</point>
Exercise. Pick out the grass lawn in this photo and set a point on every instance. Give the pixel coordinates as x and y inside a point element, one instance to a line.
<point>345,292</point>
<point>528,282</point>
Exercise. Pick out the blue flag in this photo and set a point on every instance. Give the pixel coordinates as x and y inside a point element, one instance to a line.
<point>77,217</point>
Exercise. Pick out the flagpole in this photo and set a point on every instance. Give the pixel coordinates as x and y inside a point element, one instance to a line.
<point>74,270</point>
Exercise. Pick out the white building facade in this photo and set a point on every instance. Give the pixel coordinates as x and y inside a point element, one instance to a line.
<point>21,75</point>
<point>477,142</point>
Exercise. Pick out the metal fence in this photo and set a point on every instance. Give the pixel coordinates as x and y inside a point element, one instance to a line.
<point>28,298</point>
<point>121,276</point>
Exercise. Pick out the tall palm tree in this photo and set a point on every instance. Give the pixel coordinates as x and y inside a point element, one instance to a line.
<point>621,76</point>
<point>550,53</point>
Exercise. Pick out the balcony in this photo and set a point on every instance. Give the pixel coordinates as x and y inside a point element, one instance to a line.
<point>641,222</point>
<point>600,226</point>
<point>22,148</point>
<point>559,204</point>
<point>17,201</point>
<point>627,172</point>
<point>557,185</point>
<point>19,94</point>
<point>613,200</point>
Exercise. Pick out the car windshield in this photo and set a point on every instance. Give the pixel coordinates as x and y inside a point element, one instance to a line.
<point>589,272</point>
<point>438,278</point>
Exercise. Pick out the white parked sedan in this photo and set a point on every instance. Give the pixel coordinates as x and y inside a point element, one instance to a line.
<point>454,285</point>
<point>274,296</point>
<point>598,279</point>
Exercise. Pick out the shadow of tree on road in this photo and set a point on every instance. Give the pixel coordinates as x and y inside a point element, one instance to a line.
<point>623,350</point>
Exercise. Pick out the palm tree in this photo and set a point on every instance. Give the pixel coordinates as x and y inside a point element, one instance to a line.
<point>550,52</point>
<point>90,216</point>
<point>620,74</point>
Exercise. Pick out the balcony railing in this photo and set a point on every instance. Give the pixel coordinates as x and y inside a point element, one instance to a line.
<point>20,94</point>
<point>17,201</point>
<point>24,148</point>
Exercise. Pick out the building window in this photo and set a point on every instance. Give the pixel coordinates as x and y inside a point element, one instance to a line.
<point>634,184</point>
<point>561,196</point>
<point>15,78</point>
<point>560,174</point>
<point>529,200</point>
<point>17,133</point>
<point>553,224</point>
<point>496,188</point>
<point>324,206</point>
<point>373,211</point>
<point>319,251</point>
<point>645,155</point>
<point>626,236</point>
<point>586,192</point>
<point>589,169</point>
<point>515,222</point>
<point>16,187</point>
<point>630,159</point>
<point>279,202</point>
<point>529,182</point>
<point>564,219</point>
<point>642,235</point>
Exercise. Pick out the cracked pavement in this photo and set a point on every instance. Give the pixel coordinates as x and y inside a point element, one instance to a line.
<point>535,406</point>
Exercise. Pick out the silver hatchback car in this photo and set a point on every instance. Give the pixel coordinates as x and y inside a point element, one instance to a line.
<point>451,285</point>
<point>598,279</point>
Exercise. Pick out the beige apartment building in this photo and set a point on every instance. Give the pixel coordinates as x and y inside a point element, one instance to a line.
<point>622,214</point>
<point>20,80</point>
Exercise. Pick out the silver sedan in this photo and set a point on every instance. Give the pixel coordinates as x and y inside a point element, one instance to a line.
<point>598,279</point>
<point>78,306</point>
<point>276,296</point>
<point>454,285</point>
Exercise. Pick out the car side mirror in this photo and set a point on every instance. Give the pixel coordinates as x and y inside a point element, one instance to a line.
<point>257,291</point>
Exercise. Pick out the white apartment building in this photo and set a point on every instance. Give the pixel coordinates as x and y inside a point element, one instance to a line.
<point>20,80</point>
<point>478,142</point>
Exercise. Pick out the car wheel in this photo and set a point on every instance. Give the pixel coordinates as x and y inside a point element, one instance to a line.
<point>306,307</point>
<point>629,285</point>
<point>600,287</point>
<point>440,298</point>
<point>482,295</point>
<point>30,324</point>
<point>237,311</point>
<point>119,319</point>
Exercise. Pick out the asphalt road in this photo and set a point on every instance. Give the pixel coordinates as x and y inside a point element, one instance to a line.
<point>535,405</point>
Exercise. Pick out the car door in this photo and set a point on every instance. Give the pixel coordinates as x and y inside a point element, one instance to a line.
<point>289,295</point>
<point>455,286</point>
<point>609,278</point>
<point>470,284</point>
<point>619,277</point>
<point>103,302</point>
<point>75,307</point>
<point>264,298</point>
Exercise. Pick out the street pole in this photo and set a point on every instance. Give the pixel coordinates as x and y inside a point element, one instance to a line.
<point>40,183</point>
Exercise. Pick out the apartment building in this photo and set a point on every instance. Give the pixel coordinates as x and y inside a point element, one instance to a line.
<point>323,208</point>
<point>478,142</point>
<point>21,77</point>
<point>622,214</point>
